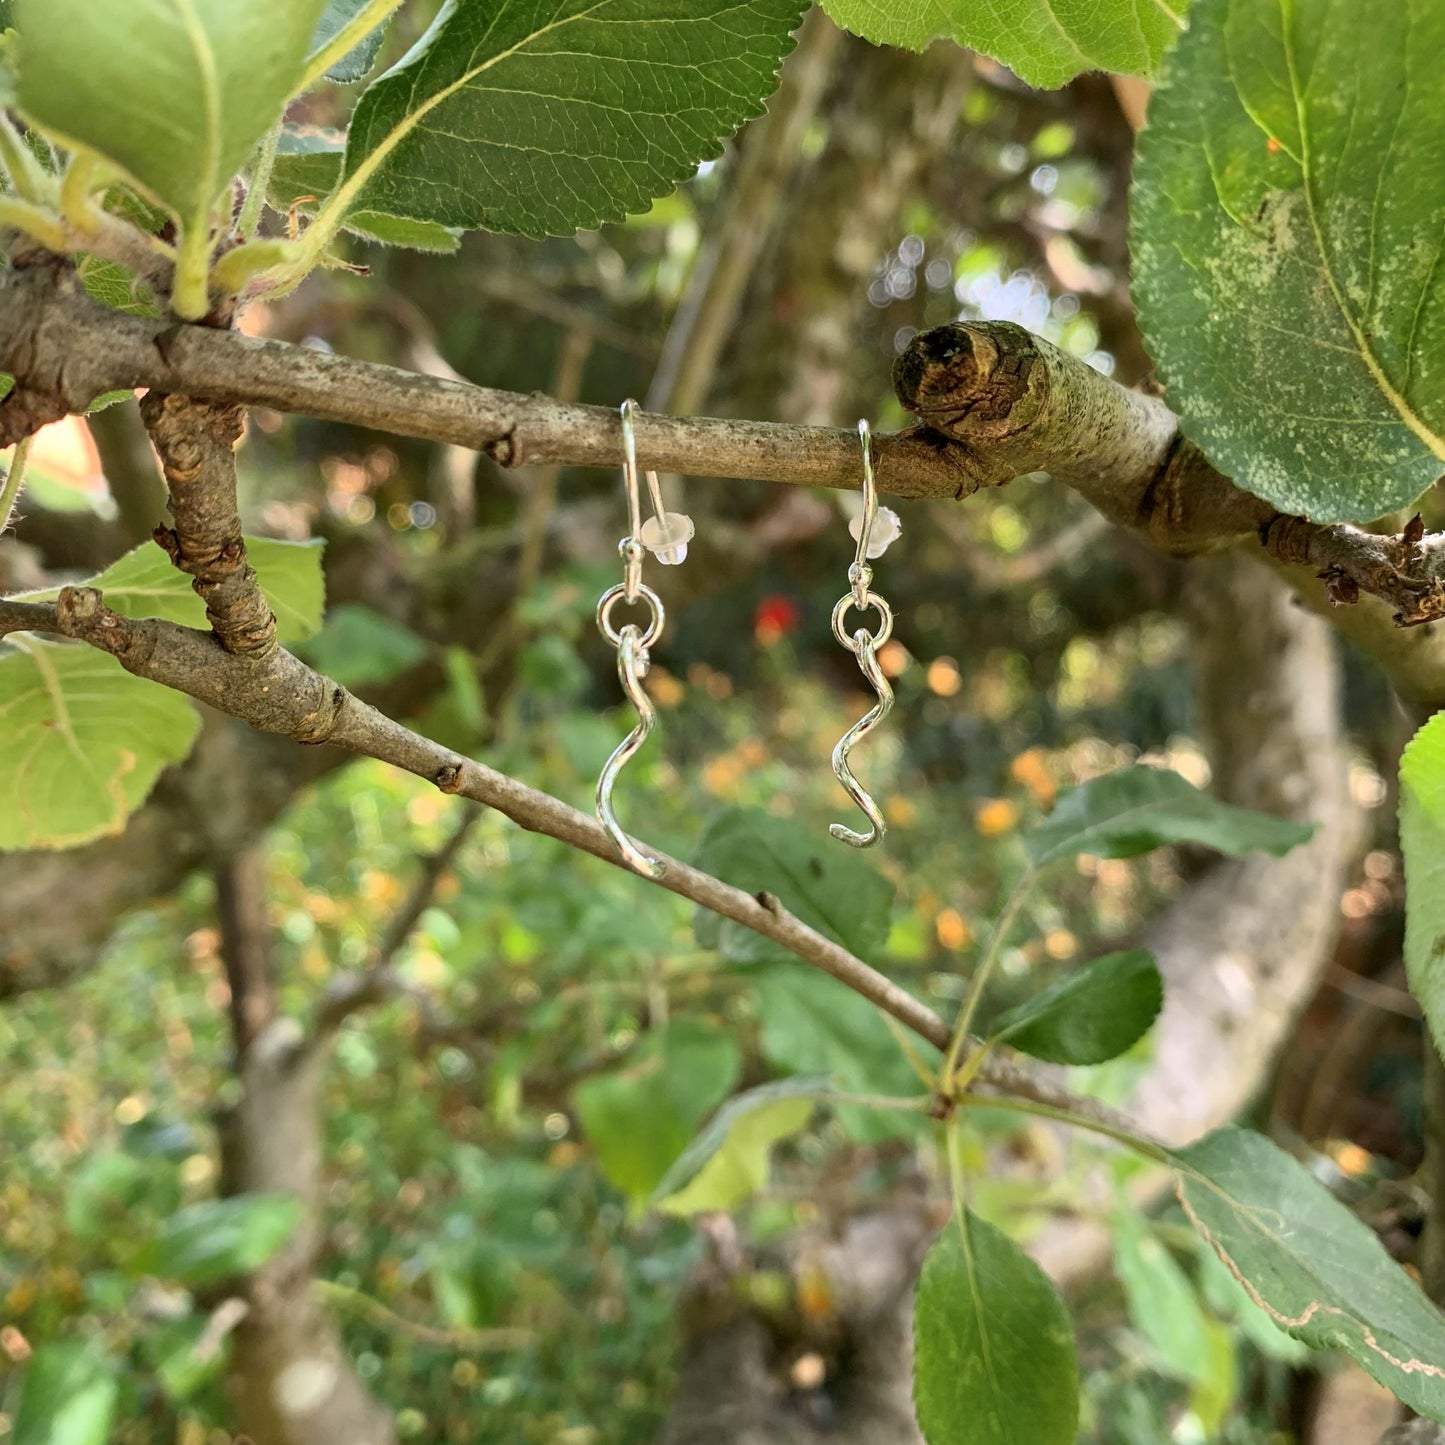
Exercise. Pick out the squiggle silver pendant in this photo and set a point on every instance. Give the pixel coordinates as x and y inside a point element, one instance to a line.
<point>665,535</point>
<point>864,645</point>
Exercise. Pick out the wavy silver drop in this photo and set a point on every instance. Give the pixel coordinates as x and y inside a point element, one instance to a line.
<point>862,648</point>
<point>631,665</point>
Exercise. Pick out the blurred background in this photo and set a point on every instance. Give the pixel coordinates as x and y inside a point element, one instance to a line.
<point>485,1255</point>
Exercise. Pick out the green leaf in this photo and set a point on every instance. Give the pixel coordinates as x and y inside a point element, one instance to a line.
<point>68,1398</point>
<point>993,1360</point>
<point>84,742</point>
<point>176,92</point>
<point>1044,42</point>
<point>543,122</point>
<point>727,1163</point>
<point>1287,210</point>
<point>641,1117</point>
<point>1422,842</point>
<point>1163,1306</point>
<point>180,1362</point>
<point>106,1193</point>
<point>829,888</point>
<point>220,1238</point>
<point>1317,1271</point>
<point>1230,1300</point>
<point>1090,1017</point>
<point>1134,810</point>
<point>359,647</point>
<point>361,57</point>
<point>308,163</point>
<point>813,1024</point>
<point>112,285</point>
<point>144,584</point>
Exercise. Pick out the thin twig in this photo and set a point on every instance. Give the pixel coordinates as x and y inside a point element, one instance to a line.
<point>378,981</point>
<point>281,694</point>
<point>10,486</point>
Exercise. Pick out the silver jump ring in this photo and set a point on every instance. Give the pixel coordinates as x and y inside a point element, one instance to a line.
<point>870,599</point>
<point>618,592</point>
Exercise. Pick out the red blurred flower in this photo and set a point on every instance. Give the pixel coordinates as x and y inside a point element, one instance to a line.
<point>776,616</point>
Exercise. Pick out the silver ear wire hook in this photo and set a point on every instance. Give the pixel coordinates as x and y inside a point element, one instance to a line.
<point>671,532</point>
<point>864,646</point>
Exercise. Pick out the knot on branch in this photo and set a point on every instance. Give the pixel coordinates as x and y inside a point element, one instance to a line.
<point>972,382</point>
<point>1403,571</point>
<point>81,613</point>
<point>449,779</point>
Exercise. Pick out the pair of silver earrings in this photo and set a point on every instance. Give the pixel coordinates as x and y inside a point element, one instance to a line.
<point>666,535</point>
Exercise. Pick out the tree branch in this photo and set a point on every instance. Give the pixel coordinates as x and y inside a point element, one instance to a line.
<point>997,402</point>
<point>279,693</point>
<point>378,981</point>
<point>1011,403</point>
<point>195,441</point>
<point>64,349</point>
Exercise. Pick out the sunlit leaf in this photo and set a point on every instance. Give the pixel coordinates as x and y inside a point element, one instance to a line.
<point>68,1398</point>
<point>514,119</point>
<point>1045,42</point>
<point>728,1162</point>
<point>176,92</point>
<point>143,583</point>
<point>84,742</point>
<point>1288,199</point>
<point>641,1117</point>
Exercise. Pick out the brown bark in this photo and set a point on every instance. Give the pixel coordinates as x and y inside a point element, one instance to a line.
<point>195,441</point>
<point>290,1379</point>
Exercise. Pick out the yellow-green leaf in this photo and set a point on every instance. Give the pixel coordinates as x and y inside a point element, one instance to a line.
<point>84,742</point>
<point>144,584</point>
<point>176,92</point>
<point>1422,841</point>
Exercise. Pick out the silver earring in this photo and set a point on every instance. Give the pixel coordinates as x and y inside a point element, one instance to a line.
<point>665,535</point>
<point>874,533</point>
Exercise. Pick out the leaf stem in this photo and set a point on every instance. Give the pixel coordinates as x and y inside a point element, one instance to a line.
<point>260,182</point>
<point>75,188</point>
<point>1139,1143</point>
<point>27,176</point>
<point>36,221</point>
<point>984,972</point>
<point>10,487</point>
<point>190,291</point>
<point>957,1175</point>
<point>345,40</point>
